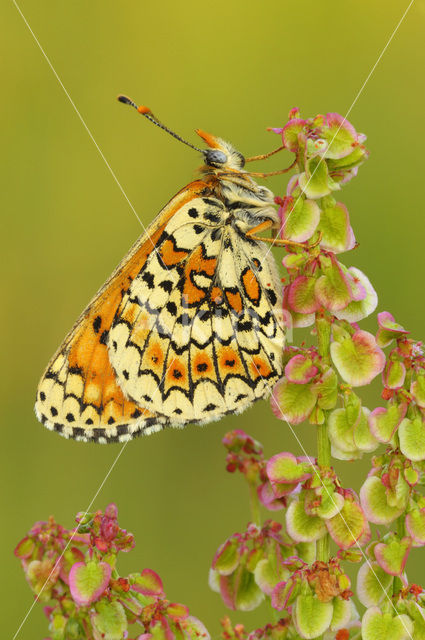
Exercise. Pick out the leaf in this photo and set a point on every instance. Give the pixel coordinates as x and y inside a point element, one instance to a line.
<point>392,555</point>
<point>327,390</point>
<point>342,612</point>
<point>300,369</point>
<point>284,467</point>
<point>240,591</point>
<point>299,219</point>
<point>358,309</point>
<point>377,625</point>
<point>374,502</point>
<point>417,614</point>
<point>394,374</point>
<point>301,526</point>
<point>412,438</point>
<point>417,389</point>
<point>269,571</point>
<point>42,576</point>
<point>341,432</point>
<point>389,329</point>
<point>363,437</point>
<point>384,422</point>
<point>315,181</point>
<point>109,620</point>
<point>291,131</point>
<point>293,402</point>
<point>358,358</point>
<point>24,548</point>
<point>337,234</point>
<point>332,289</point>
<point>88,581</point>
<point>340,134</point>
<point>301,296</point>
<point>415,525</point>
<point>147,582</point>
<point>373,584</point>
<point>311,616</point>
<point>227,558</point>
<point>331,503</point>
<point>177,611</point>
<point>347,526</point>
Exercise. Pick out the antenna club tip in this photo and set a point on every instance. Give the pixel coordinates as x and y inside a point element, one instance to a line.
<point>126,100</point>
<point>143,109</point>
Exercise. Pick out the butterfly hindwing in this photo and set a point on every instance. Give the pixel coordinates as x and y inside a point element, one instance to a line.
<point>201,346</point>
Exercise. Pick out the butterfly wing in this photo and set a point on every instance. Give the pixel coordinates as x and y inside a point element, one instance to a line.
<point>78,395</point>
<point>186,329</point>
<point>198,333</point>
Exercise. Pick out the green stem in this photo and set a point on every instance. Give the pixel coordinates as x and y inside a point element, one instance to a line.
<point>323,444</point>
<point>397,583</point>
<point>323,328</point>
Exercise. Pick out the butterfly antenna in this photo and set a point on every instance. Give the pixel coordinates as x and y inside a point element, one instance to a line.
<point>145,111</point>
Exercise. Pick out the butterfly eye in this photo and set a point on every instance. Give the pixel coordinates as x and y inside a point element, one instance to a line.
<point>215,157</point>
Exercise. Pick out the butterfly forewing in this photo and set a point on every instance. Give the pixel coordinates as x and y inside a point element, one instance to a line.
<point>78,395</point>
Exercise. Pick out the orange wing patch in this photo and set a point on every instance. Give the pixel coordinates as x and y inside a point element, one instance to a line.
<point>251,286</point>
<point>259,368</point>
<point>202,366</point>
<point>170,255</point>
<point>197,264</point>
<point>216,295</point>
<point>229,362</point>
<point>177,373</point>
<point>234,300</point>
<point>155,355</point>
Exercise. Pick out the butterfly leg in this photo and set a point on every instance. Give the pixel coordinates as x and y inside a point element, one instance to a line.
<point>258,174</point>
<point>263,156</point>
<point>268,224</point>
<point>279,242</point>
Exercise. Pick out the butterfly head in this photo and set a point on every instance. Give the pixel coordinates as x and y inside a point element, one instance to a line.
<point>220,154</point>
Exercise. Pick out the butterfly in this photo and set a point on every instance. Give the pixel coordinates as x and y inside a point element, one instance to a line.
<point>188,328</point>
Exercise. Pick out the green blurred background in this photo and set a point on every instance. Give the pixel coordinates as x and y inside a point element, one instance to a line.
<point>232,68</point>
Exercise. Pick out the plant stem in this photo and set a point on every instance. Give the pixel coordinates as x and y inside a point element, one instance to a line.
<point>397,583</point>
<point>323,328</point>
<point>323,444</point>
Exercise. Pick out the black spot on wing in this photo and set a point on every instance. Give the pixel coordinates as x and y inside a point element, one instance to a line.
<point>167,285</point>
<point>97,324</point>
<point>271,296</point>
<point>149,279</point>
